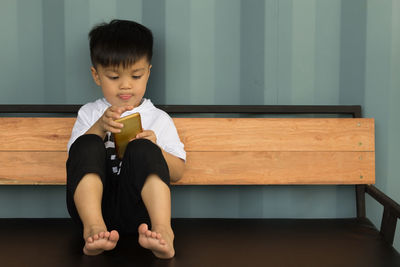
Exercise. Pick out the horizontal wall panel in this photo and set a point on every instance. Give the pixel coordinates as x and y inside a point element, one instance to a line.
<point>212,134</point>
<point>33,167</point>
<point>216,168</point>
<point>279,168</point>
<point>35,134</point>
<point>244,134</point>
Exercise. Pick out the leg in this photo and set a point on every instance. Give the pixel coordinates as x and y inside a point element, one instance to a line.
<point>87,198</point>
<point>85,177</point>
<point>157,199</point>
<point>145,171</point>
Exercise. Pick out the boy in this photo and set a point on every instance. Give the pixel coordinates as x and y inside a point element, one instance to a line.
<point>106,195</point>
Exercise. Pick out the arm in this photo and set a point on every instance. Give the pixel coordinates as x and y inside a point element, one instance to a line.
<point>97,130</point>
<point>176,166</point>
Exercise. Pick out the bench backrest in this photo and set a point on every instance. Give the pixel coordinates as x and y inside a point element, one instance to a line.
<point>225,151</point>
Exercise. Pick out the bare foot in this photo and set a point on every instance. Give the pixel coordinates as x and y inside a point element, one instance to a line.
<point>98,240</point>
<point>160,241</point>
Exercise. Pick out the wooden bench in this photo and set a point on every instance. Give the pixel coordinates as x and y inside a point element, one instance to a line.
<point>236,151</point>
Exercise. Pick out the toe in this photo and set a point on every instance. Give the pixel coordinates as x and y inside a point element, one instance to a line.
<point>143,228</point>
<point>107,234</point>
<point>114,236</point>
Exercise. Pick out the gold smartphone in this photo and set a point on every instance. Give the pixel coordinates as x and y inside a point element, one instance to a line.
<point>132,126</point>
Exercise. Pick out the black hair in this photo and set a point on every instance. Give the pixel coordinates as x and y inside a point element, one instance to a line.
<point>120,42</point>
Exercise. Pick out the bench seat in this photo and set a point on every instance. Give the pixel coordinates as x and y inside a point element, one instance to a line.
<point>221,151</point>
<point>207,242</point>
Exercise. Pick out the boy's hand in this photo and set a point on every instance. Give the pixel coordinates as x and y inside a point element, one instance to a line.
<point>107,121</point>
<point>147,134</point>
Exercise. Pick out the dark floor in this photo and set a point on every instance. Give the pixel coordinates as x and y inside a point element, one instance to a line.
<point>206,243</point>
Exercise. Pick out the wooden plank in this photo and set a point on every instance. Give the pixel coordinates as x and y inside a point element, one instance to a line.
<point>35,134</point>
<point>244,134</point>
<point>216,168</point>
<point>212,134</point>
<point>220,150</point>
<point>33,168</point>
<point>279,168</point>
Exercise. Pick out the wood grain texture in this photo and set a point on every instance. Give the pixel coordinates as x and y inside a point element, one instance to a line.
<point>205,168</point>
<point>212,134</point>
<point>32,167</point>
<point>219,150</point>
<point>35,134</point>
<point>271,168</point>
<point>243,134</point>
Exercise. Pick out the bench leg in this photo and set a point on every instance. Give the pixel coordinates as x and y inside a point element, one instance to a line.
<point>360,201</point>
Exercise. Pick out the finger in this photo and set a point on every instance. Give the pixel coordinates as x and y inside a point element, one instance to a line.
<point>139,135</point>
<point>112,114</point>
<point>120,110</point>
<point>112,126</point>
<point>124,108</point>
<point>115,124</point>
<point>111,130</point>
<point>145,133</point>
<point>111,117</point>
<point>113,109</point>
<point>143,136</point>
<point>128,108</point>
<point>116,110</point>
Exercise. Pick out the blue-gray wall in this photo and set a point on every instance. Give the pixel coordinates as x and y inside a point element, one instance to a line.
<point>219,52</point>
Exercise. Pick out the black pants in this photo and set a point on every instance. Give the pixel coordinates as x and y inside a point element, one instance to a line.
<point>122,205</point>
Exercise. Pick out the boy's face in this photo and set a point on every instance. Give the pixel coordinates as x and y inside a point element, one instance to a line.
<point>123,86</point>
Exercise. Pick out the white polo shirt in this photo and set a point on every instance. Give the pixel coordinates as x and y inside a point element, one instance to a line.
<point>152,119</point>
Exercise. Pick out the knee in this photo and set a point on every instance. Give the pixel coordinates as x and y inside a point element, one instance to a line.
<point>145,158</point>
<point>88,145</point>
<point>141,148</point>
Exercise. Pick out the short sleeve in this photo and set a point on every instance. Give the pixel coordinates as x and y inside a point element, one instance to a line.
<point>82,125</point>
<point>169,140</point>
